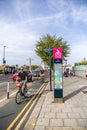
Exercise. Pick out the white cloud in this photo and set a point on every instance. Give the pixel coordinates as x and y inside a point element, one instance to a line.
<point>79,14</point>
<point>21,33</point>
<point>19,43</point>
<point>22,8</point>
<point>69,9</point>
<point>78,52</point>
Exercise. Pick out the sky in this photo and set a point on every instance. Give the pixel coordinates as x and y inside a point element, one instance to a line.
<point>24,22</point>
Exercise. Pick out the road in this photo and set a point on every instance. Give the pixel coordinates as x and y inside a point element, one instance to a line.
<point>4,80</point>
<point>7,78</point>
<point>9,111</point>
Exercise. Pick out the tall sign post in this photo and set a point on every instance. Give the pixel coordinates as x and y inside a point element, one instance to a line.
<point>58,82</point>
<point>49,50</point>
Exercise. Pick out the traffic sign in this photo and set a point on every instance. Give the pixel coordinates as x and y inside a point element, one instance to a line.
<point>4,62</point>
<point>48,49</point>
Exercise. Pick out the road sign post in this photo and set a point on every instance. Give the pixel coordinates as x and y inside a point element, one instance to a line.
<point>58,85</point>
<point>49,50</point>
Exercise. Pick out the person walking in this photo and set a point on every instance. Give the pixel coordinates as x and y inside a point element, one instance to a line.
<point>42,75</point>
<point>86,73</point>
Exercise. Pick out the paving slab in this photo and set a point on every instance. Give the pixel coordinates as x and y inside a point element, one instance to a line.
<point>69,115</point>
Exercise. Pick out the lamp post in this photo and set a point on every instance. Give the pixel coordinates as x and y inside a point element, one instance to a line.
<point>65,63</point>
<point>4,61</point>
<point>30,63</point>
<point>29,60</point>
<point>4,53</point>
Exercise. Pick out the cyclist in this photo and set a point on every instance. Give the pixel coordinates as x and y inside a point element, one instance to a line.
<point>22,76</point>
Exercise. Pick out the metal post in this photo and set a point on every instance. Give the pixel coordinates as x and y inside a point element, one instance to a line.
<point>4,52</point>
<point>8,90</point>
<point>49,50</point>
<point>50,71</point>
<point>30,63</point>
<point>4,62</point>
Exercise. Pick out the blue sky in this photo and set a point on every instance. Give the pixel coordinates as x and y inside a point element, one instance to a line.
<point>24,22</point>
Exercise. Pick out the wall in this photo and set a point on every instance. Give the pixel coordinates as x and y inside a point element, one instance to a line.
<point>80,70</point>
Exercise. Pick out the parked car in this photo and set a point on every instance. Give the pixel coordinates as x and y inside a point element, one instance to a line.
<point>29,73</point>
<point>29,78</point>
<point>36,73</point>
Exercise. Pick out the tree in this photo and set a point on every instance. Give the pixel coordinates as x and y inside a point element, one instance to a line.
<point>49,41</point>
<point>16,65</point>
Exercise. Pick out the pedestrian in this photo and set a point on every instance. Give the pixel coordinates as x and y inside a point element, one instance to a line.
<point>86,73</point>
<point>42,75</point>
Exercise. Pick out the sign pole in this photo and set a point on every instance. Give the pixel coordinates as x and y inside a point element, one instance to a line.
<point>49,51</point>
<point>50,73</point>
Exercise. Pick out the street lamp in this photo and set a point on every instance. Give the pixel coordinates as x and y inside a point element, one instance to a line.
<point>66,63</point>
<point>4,54</point>
<point>29,60</point>
<point>4,61</point>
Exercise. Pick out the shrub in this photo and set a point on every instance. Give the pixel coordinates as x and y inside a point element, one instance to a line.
<point>81,63</point>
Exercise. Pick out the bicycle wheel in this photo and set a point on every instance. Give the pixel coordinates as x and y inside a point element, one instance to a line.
<point>42,80</point>
<point>18,97</point>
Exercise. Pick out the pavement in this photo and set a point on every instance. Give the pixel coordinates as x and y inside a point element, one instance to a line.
<point>69,115</point>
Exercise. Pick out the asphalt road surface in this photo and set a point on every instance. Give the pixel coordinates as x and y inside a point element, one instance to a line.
<point>9,110</point>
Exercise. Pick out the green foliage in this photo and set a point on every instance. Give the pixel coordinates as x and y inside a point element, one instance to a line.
<point>1,67</point>
<point>1,71</point>
<point>81,63</point>
<point>33,67</point>
<point>49,41</point>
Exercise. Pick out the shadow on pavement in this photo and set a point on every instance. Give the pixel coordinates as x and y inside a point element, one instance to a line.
<point>74,93</point>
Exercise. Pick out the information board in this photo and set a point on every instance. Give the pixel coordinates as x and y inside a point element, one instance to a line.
<point>58,75</point>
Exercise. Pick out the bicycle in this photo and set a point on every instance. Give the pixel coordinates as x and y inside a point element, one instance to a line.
<point>21,93</point>
<point>42,78</point>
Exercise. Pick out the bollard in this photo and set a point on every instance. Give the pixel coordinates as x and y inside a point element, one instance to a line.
<point>8,90</point>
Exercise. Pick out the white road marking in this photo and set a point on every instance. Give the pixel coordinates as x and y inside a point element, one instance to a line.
<point>6,97</point>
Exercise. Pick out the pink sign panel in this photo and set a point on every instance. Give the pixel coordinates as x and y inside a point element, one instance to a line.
<point>57,53</point>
